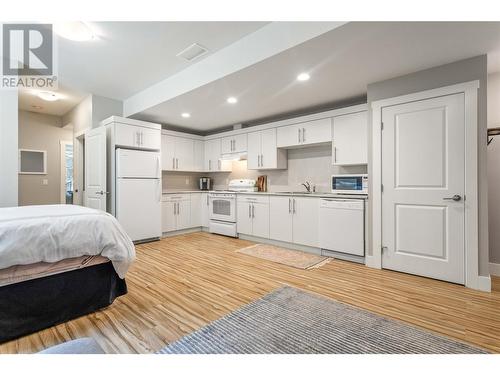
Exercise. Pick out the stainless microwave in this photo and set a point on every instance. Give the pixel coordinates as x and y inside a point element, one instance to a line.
<point>350,183</point>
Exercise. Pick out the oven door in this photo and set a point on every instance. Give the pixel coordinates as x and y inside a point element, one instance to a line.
<point>223,209</point>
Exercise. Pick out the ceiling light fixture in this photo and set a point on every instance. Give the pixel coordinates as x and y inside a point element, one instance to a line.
<point>232,100</point>
<point>48,96</point>
<point>78,31</point>
<point>303,77</point>
<point>186,115</point>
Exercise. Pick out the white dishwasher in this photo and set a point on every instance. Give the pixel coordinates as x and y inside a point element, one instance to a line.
<point>342,225</point>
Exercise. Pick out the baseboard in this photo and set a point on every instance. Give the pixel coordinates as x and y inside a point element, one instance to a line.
<point>495,269</point>
<point>370,261</point>
<point>182,231</point>
<point>484,283</point>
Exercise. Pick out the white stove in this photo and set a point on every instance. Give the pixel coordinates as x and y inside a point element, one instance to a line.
<point>222,207</point>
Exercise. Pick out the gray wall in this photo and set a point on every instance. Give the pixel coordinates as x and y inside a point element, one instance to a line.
<point>80,117</point>
<point>462,71</point>
<point>494,168</point>
<point>103,108</point>
<point>8,148</point>
<point>42,132</point>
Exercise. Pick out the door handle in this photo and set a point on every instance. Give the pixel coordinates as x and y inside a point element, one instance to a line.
<point>455,198</point>
<point>102,192</point>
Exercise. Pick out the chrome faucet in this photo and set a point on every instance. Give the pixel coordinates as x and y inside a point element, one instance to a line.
<point>308,186</point>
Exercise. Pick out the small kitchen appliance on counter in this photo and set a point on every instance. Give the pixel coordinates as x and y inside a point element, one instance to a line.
<point>243,185</point>
<point>205,183</point>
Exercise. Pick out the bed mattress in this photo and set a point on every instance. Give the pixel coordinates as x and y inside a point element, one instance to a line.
<point>20,273</point>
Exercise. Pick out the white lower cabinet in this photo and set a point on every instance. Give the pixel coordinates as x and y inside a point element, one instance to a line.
<point>294,219</point>
<point>205,203</point>
<point>176,212</point>
<point>252,215</point>
<point>195,210</point>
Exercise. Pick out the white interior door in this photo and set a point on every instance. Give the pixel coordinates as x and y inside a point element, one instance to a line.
<point>423,169</point>
<point>95,168</point>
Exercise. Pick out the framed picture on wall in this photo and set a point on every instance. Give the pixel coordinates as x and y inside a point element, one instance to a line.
<point>32,161</point>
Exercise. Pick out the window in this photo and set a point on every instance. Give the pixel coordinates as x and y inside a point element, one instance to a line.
<point>32,161</point>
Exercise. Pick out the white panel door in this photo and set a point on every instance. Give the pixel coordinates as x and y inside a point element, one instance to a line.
<point>168,222</point>
<point>269,155</point>
<point>306,221</point>
<point>423,153</point>
<point>317,131</point>
<point>260,219</point>
<point>205,204</point>
<point>254,148</point>
<point>198,155</point>
<point>184,158</point>
<point>167,152</point>
<point>95,168</point>
<point>240,143</point>
<point>350,139</point>
<point>150,138</point>
<point>195,210</point>
<point>183,214</point>
<point>127,135</point>
<point>244,218</point>
<point>280,218</point>
<point>288,136</point>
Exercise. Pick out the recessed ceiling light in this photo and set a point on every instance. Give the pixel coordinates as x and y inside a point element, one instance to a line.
<point>48,96</point>
<point>232,100</point>
<point>185,115</point>
<point>77,31</point>
<point>303,77</point>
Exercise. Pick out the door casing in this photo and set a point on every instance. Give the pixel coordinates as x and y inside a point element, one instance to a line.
<point>472,278</point>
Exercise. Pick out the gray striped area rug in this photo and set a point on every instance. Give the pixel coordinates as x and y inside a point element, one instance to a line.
<point>289,321</point>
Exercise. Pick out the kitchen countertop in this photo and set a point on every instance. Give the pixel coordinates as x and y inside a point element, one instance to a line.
<point>295,194</point>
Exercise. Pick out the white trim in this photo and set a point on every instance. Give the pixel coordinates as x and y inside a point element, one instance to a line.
<point>472,278</point>
<point>62,164</point>
<point>495,269</point>
<point>44,152</point>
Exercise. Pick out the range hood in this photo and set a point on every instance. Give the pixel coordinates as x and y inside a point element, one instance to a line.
<point>235,156</point>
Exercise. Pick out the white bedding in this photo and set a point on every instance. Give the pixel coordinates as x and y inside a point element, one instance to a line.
<point>32,234</point>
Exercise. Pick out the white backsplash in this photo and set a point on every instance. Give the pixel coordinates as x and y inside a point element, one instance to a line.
<point>312,164</point>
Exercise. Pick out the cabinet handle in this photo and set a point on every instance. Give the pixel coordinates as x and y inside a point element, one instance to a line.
<point>176,163</point>
<point>249,210</point>
<point>334,154</point>
<point>294,206</point>
<point>173,163</point>
<point>261,160</point>
<point>178,208</point>
<point>141,138</point>
<point>175,208</point>
<point>219,165</point>
<point>209,165</point>
<point>289,205</point>
<point>253,211</point>
<point>303,134</point>
<point>298,132</point>
<point>207,200</point>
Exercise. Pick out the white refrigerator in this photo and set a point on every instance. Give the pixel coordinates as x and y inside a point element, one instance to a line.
<point>138,193</point>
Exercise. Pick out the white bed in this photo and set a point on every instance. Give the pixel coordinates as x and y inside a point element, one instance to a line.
<point>52,233</point>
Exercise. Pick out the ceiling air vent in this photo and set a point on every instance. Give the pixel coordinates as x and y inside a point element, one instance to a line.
<point>192,52</point>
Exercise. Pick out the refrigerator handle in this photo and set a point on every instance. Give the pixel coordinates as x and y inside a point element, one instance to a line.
<point>158,165</point>
<point>159,190</point>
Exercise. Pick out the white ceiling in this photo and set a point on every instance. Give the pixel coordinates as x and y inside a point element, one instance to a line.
<point>342,63</point>
<point>29,101</point>
<point>128,57</point>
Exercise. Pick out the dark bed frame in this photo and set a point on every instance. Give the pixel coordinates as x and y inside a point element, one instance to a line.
<point>33,305</point>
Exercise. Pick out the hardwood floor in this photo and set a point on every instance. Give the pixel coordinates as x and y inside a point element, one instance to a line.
<point>182,283</point>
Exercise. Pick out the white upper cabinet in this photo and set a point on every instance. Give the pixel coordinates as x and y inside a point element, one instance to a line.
<point>263,152</point>
<point>305,134</point>
<point>350,139</point>
<point>198,155</point>
<point>213,152</point>
<point>137,137</point>
<point>234,144</point>
<point>177,153</point>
